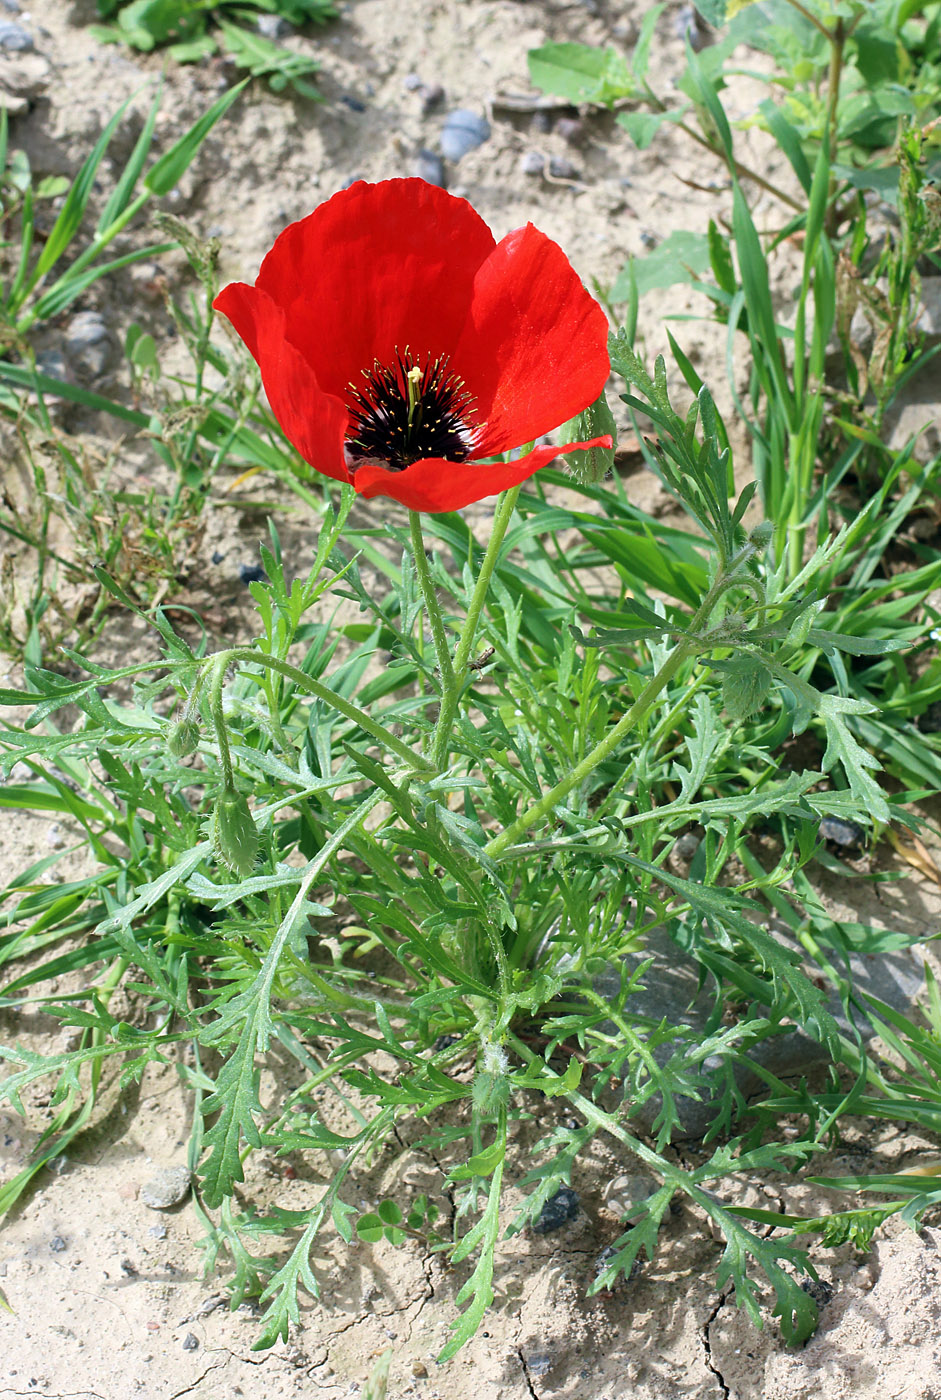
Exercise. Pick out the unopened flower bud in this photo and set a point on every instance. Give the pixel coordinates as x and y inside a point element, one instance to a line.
<point>233,834</point>
<point>592,464</point>
<point>183,737</point>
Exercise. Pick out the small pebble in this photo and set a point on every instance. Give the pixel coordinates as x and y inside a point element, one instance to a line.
<point>538,1363</point>
<point>463,131</point>
<point>432,96</point>
<point>542,122</point>
<point>842,833</point>
<point>129,1270</point>
<point>557,1211</point>
<point>430,168</point>
<point>252,573</point>
<point>411,82</point>
<point>15,37</point>
<point>190,1343</point>
<point>627,1193</point>
<point>54,837</point>
<point>355,104</point>
<point>649,240</point>
<point>11,6</point>
<point>686,26</point>
<point>818,1289</point>
<point>158,1232</point>
<point>562,169</point>
<point>217,558</point>
<point>166,1189</point>
<point>532,163</point>
<point>685,847</point>
<point>273,27</point>
<point>444,1042</point>
<point>930,721</point>
<point>419,1369</point>
<point>606,1258</point>
<point>571,129</point>
<point>53,363</point>
<point>57,1244</point>
<point>88,343</point>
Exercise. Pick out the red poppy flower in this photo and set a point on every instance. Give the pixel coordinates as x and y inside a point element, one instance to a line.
<point>399,344</point>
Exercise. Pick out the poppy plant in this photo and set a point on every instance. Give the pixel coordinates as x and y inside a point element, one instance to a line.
<point>401,346</point>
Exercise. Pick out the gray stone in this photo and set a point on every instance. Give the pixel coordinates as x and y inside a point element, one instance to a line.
<point>929,319</point>
<point>624,1196</point>
<point>54,364</point>
<point>532,163</point>
<point>537,1363</point>
<point>849,835</point>
<point>671,993</point>
<point>15,37</point>
<point>686,27</point>
<point>166,1189</point>
<point>430,168</point>
<point>571,129</point>
<point>463,131</point>
<point>273,27</point>
<point>88,344</point>
<point>560,168</point>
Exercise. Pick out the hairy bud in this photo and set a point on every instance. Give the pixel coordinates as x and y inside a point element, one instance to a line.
<point>233,834</point>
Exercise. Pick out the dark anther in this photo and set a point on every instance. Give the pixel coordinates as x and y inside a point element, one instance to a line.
<point>398,416</point>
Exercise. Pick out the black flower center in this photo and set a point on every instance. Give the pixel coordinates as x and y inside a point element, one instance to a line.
<point>402,412</point>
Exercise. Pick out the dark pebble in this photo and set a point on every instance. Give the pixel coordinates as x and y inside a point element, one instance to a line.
<point>354,103</point>
<point>562,169</point>
<point>463,131</point>
<point>430,168</point>
<point>842,833</point>
<point>217,558</point>
<point>557,1211</point>
<point>541,122</point>
<point>252,573</point>
<point>818,1289</point>
<point>444,1042</point>
<point>190,1343</point>
<point>605,1259</point>
<point>57,1244</point>
<point>432,96</point>
<point>128,1269</point>
<point>930,721</point>
<point>571,129</point>
<point>649,240</point>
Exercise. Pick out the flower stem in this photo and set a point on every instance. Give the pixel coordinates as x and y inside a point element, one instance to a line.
<point>219,667</point>
<point>432,611</point>
<point>449,703</point>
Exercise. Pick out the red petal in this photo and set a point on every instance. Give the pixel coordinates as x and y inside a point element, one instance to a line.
<point>433,484</point>
<point>314,421</point>
<point>535,348</point>
<point>374,269</point>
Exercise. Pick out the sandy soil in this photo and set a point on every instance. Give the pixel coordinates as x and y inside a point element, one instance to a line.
<point>109,1296</point>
